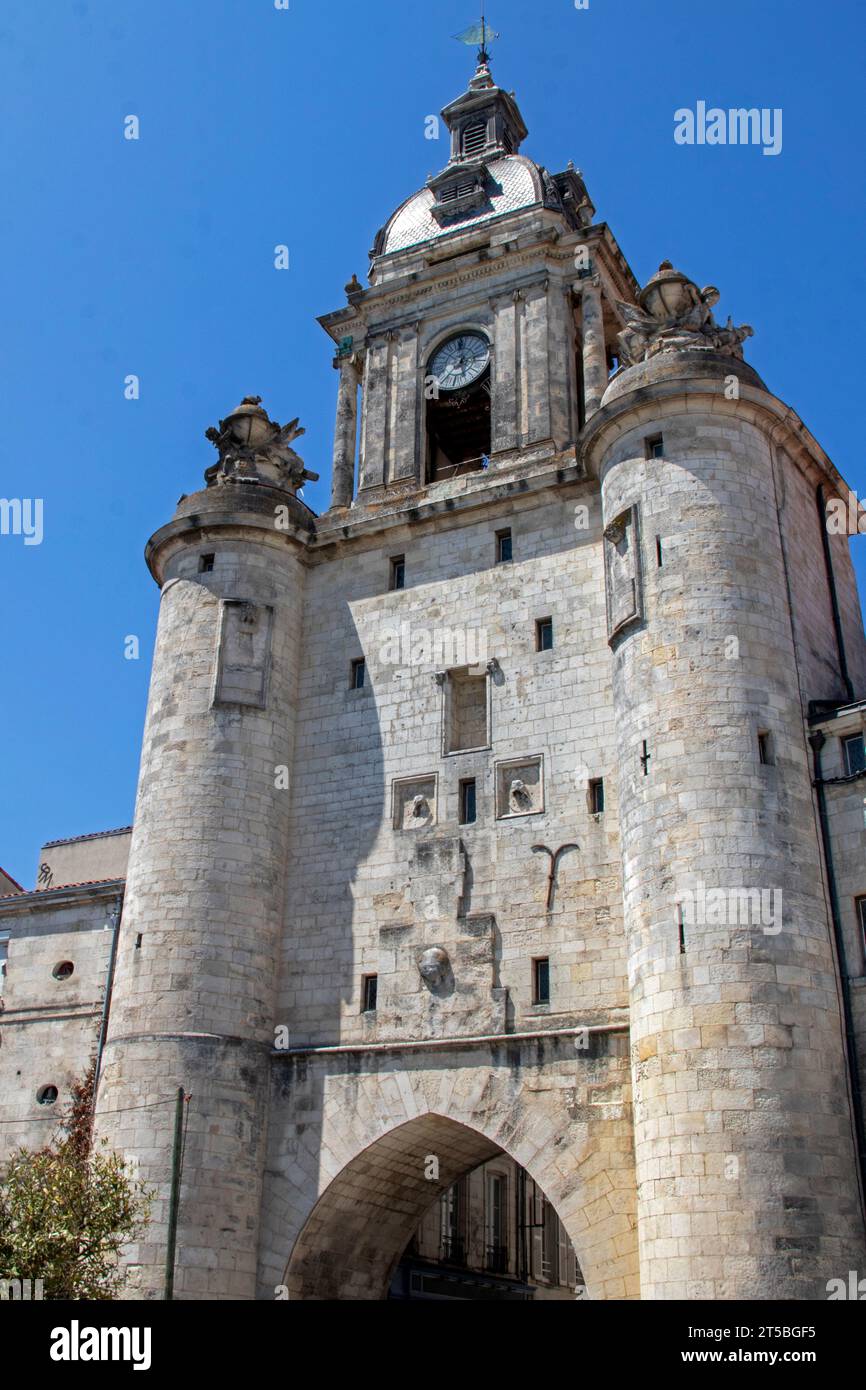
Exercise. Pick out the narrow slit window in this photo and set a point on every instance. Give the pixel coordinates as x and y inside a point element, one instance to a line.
<point>358,677</point>
<point>398,572</point>
<point>369,993</point>
<point>468,811</point>
<point>541,980</point>
<point>681,927</point>
<point>596,796</point>
<point>765,747</point>
<point>659,556</point>
<point>543,634</point>
<point>503,547</point>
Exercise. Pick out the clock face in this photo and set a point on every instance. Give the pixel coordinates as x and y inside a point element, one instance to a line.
<point>460,361</point>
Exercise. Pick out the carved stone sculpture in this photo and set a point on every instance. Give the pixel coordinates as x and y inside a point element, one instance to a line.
<point>520,797</point>
<point>255,449</point>
<point>674,314</point>
<point>434,966</point>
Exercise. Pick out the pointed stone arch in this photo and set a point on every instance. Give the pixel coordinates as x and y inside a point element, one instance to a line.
<point>346,1195</point>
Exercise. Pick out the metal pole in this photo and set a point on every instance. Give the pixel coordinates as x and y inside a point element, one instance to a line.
<point>109,986</point>
<point>174,1198</point>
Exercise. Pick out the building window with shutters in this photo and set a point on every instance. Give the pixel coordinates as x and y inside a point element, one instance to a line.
<point>854,754</point>
<point>549,1243</point>
<point>451,1224</point>
<point>495,1224</point>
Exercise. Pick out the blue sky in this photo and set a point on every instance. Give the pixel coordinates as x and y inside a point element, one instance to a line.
<point>306,127</point>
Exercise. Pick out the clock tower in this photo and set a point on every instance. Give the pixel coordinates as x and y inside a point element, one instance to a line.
<point>487,333</point>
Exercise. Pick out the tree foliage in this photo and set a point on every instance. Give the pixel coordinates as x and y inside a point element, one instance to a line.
<point>66,1210</point>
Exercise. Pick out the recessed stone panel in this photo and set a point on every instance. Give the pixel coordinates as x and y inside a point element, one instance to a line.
<point>414,803</point>
<point>622,570</point>
<point>243,654</point>
<point>519,787</point>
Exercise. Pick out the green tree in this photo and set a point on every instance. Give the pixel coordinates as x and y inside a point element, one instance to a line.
<point>67,1210</point>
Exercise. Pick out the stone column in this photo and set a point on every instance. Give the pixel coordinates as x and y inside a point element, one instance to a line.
<point>345,434</point>
<point>594,352</point>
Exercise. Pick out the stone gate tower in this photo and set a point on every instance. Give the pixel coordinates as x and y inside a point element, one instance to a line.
<point>475,816</point>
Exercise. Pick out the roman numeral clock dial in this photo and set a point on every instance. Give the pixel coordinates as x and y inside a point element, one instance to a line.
<point>460,361</point>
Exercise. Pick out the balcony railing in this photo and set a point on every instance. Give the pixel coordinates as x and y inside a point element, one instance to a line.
<point>496,1259</point>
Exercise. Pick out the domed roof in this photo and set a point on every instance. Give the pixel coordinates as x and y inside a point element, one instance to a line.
<point>517,183</point>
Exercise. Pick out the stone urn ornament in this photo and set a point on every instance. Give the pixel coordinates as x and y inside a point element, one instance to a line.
<point>675,315</point>
<point>253,448</point>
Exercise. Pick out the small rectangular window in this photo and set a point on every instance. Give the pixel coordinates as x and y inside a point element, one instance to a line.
<point>359,673</point>
<point>543,634</point>
<point>467,801</point>
<point>398,572</point>
<point>541,980</point>
<point>4,956</point>
<point>655,447</point>
<point>596,796</point>
<point>205,563</point>
<point>765,747</point>
<point>855,754</point>
<point>503,547</point>
<point>369,992</point>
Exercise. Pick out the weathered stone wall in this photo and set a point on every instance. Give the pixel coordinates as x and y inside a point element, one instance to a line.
<point>356,881</point>
<point>49,1026</point>
<point>810,603</point>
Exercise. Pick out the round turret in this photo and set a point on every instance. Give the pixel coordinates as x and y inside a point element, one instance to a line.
<point>742,1125</point>
<point>193,998</point>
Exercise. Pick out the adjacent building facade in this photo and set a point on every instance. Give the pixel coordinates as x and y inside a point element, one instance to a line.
<point>506,821</point>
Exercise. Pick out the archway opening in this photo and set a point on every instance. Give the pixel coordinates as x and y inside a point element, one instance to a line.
<point>492,1236</point>
<point>459,407</point>
<point>433,1210</point>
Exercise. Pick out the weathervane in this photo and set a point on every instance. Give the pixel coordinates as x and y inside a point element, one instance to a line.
<point>481,34</point>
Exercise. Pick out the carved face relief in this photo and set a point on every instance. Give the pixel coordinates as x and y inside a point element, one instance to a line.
<point>433,966</point>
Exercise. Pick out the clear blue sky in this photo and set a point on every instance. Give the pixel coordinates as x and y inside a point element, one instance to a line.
<point>306,127</point>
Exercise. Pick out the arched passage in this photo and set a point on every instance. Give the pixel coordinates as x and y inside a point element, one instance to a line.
<point>360,1226</point>
<point>346,1186</point>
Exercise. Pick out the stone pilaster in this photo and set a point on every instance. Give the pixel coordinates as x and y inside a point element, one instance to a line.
<point>594,351</point>
<point>345,434</point>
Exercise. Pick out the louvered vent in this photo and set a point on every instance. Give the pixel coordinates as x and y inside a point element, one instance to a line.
<point>457,190</point>
<point>475,137</point>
